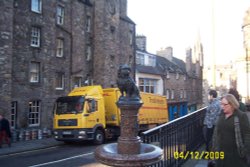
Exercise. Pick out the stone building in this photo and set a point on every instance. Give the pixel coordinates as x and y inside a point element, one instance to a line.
<point>164,74</point>
<point>243,62</point>
<point>49,47</point>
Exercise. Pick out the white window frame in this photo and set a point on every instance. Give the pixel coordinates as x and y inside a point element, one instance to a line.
<point>140,59</point>
<point>185,94</point>
<point>88,24</point>
<point>59,48</point>
<point>77,82</point>
<point>34,113</point>
<point>88,53</point>
<point>151,60</point>
<point>185,77</point>
<point>59,78</point>
<point>177,75</point>
<point>36,6</point>
<point>13,117</point>
<point>168,74</point>
<point>60,14</point>
<point>172,94</point>
<point>35,36</point>
<point>131,37</point>
<point>181,94</point>
<point>148,85</point>
<point>34,72</point>
<point>167,93</point>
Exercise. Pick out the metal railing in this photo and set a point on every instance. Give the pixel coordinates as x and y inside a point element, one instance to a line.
<point>178,136</point>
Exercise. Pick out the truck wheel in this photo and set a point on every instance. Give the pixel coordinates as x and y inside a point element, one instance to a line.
<point>99,137</point>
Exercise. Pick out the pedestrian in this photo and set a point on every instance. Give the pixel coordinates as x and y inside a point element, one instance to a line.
<point>224,138</point>
<point>234,92</point>
<point>211,116</point>
<point>5,133</point>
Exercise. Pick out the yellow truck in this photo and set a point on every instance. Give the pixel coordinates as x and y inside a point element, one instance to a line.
<point>91,113</point>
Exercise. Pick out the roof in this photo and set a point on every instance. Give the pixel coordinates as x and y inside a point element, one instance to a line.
<point>162,66</point>
<point>148,69</point>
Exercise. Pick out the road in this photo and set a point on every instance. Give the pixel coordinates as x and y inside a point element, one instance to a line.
<point>68,155</point>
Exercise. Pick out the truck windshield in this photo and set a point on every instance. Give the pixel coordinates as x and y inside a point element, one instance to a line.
<point>69,105</point>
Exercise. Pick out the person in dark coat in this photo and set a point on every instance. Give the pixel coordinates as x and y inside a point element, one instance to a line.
<point>224,135</point>
<point>234,92</point>
<point>5,133</point>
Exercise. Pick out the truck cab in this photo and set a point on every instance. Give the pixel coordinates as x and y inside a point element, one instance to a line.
<point>80,115</point>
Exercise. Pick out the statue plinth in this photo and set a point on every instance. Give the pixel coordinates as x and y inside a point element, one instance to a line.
<point>129,151</point>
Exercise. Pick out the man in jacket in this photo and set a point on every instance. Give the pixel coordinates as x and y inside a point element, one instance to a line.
<point>212,113</point>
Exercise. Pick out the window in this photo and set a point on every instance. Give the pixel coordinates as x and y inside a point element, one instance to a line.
<point>88,24</point>
<point>77,82</point>
<point>35,36</point>
<point>59,48</point>
<point>151,61</point>
<point>92,105</point>
<point>88,53</point>
<point>168,75</point>
<point>168,93</point>
<point>60,15</point>
<point>181,94</point>
<point>140,59</point>
<point>13,117</point>
<point>172,94</point>
<point>148,85</point>
<point>185,77</point>
<point>130,37</point>
<point>177,75</point>
<point>36,6</point>
<point>185,94</point>
<point>59,81</point>
<point>34,113</point>
<point>34,72</point>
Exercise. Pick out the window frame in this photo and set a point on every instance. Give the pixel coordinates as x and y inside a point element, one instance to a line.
<point>37,8</point>
<point>172,94</point>
<point>59,47</point>
<point>35,36</point>
<point>36,72</point>
<point>88,24</point>
<point>77,81</point>
<point>148,85</point>
<point>13,116</point>
<point>34,113</point>
<point>60,14</point>
<point>60,76</point>
<point>88,52</point>
<point>140,59</point>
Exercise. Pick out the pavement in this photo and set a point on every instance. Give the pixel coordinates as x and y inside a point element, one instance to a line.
<point>24,146</point>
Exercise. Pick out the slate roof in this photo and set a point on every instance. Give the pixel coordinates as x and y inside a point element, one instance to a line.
<point>162,66</point>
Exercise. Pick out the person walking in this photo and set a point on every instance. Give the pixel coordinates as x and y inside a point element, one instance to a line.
<point>224,138</point>
<point>5,133</point>
<point>211,116</point>
<point>234,92</point>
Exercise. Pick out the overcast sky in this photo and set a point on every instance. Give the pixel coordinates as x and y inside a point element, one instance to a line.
<point>177,23</point>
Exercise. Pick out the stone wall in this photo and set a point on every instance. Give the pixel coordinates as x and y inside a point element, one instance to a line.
<point>6,50</point>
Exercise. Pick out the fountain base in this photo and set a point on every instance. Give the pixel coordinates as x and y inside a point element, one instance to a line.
<point>108,155</point>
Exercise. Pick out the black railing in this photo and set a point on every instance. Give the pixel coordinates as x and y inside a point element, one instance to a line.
<point>178,136</point>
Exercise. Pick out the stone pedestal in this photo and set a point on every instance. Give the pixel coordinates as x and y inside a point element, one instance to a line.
<point>129,151</point>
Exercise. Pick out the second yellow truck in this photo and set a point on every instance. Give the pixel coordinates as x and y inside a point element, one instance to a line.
<point>91,113</point>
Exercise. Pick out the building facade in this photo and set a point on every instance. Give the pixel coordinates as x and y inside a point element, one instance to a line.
<point>49,47</point>
<point>243,62</point>
<point>164,74</point>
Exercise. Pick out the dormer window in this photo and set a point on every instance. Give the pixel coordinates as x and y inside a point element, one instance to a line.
<point>177,75</point>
